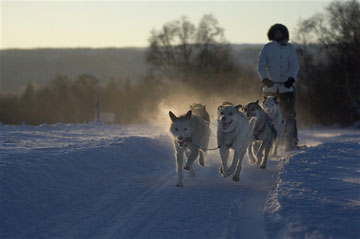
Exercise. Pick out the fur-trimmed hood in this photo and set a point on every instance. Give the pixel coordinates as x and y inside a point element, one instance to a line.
<point>278,27</point>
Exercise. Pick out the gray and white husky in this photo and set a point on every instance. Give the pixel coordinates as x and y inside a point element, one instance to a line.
<point>191,134</point>
<point>264,134</point>
<point>272,108</point>
<point>234,132</point>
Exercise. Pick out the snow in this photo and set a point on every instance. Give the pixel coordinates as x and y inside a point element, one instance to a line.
<point>111,181</point>
<point>318,191</point>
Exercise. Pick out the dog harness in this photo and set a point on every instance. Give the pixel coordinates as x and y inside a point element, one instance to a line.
<point>189,140</point>
<point>259,132</point>
<point>181,143</point>
<point>262,129</point>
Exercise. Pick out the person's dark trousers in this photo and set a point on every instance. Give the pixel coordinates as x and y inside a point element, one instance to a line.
<point>287,108</point>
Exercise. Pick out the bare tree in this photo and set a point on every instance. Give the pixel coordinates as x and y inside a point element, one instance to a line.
<point>337,33</point>
<point>171,48</point>
<point>184,52</point>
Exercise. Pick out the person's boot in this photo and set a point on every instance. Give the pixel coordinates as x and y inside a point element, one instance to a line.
<point>291,145</point>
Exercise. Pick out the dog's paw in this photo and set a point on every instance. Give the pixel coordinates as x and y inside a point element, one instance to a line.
<point>224,174</point>
<point>179,185</point>
<point>186,167</point>
<point>262,166</point>
<point>221,171</point>
<point>236,178</point>
<point>252,161</point>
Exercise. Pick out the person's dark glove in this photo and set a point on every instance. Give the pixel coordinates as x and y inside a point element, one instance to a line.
<point>289,82</point>
<point>268,82</point>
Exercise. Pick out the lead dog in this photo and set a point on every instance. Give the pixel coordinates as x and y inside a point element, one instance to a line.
<point>234,132</point>
<point>264,133</point>
<point>271,107</point>
<point>190,133</point>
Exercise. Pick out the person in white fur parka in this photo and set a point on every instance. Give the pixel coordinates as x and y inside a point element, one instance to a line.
<point>278,66</point>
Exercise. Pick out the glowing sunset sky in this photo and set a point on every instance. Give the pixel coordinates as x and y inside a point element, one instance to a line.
<point>29,24</point>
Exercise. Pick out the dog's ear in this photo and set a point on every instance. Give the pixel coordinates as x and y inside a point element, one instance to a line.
<point>275,99</point>
<point>257,102</point>
<point>188,115</point>
<point>220,108</point>
<point>238,107</point>
<point>265,98</point>
<point>172,116</point>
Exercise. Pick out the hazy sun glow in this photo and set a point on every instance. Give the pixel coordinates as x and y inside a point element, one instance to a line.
<point>29,24</point>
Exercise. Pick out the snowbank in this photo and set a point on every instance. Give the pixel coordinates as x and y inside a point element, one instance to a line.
<point>318,191</point>
<point>51,176</point>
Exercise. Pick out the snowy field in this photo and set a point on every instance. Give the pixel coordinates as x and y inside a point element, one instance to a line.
<point>98,181</point>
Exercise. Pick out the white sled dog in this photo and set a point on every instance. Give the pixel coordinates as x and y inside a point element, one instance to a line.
<point>200,110</point>
<point>235,132</point>
<point>264,134</point>
<point>271,107</point>
<point>191,134</point>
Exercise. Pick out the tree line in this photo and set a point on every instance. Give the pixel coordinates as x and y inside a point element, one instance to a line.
<point>69,100</point>
<point>328,45</point>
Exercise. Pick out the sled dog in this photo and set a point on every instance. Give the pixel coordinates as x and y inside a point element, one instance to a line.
<point>271,107</point>
<point>263,136</point>
<point>234,132</point>
<point>191,134</point>
<point>200,110</point>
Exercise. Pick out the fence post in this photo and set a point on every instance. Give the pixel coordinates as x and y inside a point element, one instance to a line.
<point>97,111</point>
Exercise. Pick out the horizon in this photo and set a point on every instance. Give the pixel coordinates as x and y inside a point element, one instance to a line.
<point>123,24</point>
<point>108,47</point>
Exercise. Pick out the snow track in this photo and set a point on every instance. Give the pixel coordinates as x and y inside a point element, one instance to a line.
<point>97,181</point>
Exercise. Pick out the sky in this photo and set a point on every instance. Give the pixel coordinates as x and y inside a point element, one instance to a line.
<point>68,23</point>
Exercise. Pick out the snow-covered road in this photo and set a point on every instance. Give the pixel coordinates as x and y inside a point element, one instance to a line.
<point>97,181</point>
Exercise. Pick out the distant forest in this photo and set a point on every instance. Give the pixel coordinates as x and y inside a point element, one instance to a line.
<point>39,66</point>
<point>62,85</point>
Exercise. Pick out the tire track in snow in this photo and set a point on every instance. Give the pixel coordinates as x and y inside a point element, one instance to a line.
<point>108,197</point>
<point>119,215</point>
<point>164,211</point>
